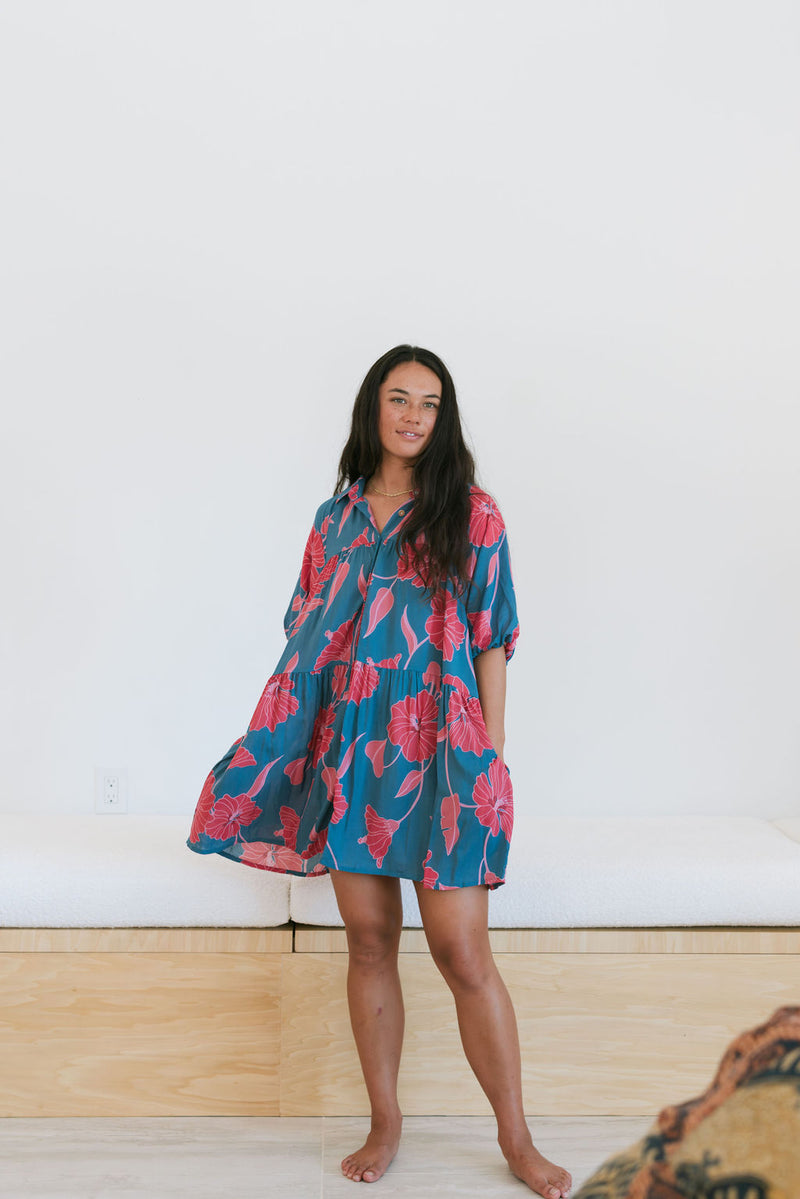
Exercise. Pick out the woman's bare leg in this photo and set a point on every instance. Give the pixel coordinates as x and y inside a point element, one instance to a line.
<point>456,925</point>
<point>372,910</point>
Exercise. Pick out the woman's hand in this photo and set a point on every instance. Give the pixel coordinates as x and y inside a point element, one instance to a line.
<point>490,674</point>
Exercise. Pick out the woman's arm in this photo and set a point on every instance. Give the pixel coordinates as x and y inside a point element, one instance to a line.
<point>490,673</point>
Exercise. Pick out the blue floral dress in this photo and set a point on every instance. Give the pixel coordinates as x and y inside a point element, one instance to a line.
<point>368,751</point>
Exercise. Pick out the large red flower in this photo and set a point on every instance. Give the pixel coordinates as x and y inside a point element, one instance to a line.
<point>276,704</point>
<point>379,834</point>
<point>494,800</point>
<point>229,814</point>
<point>322,735</point>
<point>204,805</point>
<point>443,625</point>
<point>465,724</point>
<point>414,725</point>
<point>485,522</point>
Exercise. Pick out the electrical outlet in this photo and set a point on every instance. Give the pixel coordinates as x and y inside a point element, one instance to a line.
<point>110,789</point>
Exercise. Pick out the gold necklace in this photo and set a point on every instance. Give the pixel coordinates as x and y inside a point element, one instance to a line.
<point>408,491</point>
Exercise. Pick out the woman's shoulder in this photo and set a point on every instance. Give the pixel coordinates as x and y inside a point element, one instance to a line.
<point>486,524</point>
<point>482,501</point>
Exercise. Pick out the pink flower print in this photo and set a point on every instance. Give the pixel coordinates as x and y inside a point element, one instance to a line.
<point>242,757</point>
<point>443,625</point>
<point>229,814</point>
<point>390,663</point>
<point>290,823</point>
<point>433,677</point>
<point>342,571</point>
<point>364,678</point>
<point>494,801</point>
<point>339,643</point>
<point>413,563</point>
<point>339,682</point>
<point>430,877</point>
<point>317,842</point>
<point>319,580</point>
<point>375,751</point>
<point>414,725</point>
<point>380,607</point>
<point>465,724</point>
<point>204,805</point>
<point>335,793</point>
<point>480,623</point>
<point>362,539</point>
<point>449,821</point>
<point>271,857</point>
<point>276,704</point>
<point>380,831</point>
<point>322,735</point>
<point>411,637</point>
<point>491,880</point>
<point>313,559</point>
<point>485,522</point>
<point>509,645</point>
<point>296,769</point>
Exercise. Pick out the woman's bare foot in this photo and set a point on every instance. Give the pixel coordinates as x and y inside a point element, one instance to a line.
<point>542,1176</point>
<point>372,1160</point>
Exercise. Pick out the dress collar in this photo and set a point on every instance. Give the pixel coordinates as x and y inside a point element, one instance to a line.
<point>354,492</point>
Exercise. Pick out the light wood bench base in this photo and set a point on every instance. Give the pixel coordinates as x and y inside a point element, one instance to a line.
<point>134,1022</point>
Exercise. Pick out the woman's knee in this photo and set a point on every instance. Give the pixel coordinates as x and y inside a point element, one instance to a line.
<point>372,911</point>
<point>465,963</point>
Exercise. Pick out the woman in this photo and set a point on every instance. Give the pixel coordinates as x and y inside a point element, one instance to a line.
<point>376,750</point>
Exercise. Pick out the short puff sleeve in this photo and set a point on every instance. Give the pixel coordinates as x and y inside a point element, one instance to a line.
<point>491,600</point>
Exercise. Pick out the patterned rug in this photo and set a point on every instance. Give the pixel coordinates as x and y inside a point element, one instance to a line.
<point>739,1140</point>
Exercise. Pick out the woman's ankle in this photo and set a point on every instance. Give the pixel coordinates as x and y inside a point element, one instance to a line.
<point>387,1118</point>
<point>514,1136</point>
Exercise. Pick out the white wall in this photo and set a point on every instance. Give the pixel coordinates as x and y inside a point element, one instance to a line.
<point>216,216</point>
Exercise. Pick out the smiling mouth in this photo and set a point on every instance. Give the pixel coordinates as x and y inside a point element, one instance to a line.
<point>408,433</point>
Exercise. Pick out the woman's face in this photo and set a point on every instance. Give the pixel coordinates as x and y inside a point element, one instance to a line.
<point>409,399</point>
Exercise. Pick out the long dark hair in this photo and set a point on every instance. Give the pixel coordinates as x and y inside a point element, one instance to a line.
<point>435,537</point>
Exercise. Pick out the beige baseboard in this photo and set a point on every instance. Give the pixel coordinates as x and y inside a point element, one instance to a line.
<point>136,1022</point>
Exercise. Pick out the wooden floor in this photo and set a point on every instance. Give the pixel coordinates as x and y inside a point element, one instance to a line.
<point>262,1158</point>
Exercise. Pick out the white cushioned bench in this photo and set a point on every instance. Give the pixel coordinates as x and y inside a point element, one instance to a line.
<point>618,873</point>
<point>93,871</point>
<point>136,871</point>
